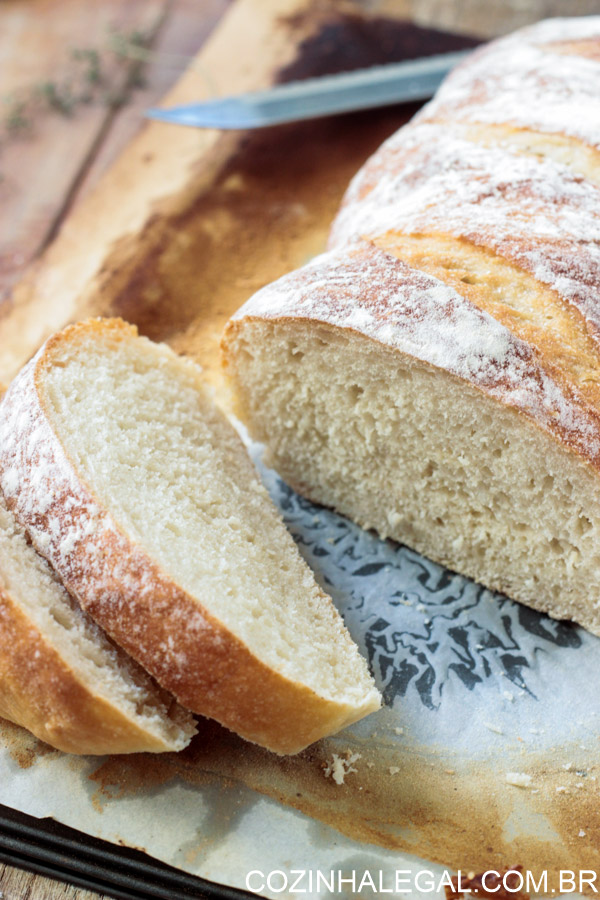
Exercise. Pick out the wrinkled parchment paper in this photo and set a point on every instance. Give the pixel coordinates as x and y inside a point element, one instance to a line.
<point>486,746</point>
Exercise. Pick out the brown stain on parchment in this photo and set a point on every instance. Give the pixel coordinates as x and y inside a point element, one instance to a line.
<point>432,807</point>
<point>416,800</point>
<point>24,748</point>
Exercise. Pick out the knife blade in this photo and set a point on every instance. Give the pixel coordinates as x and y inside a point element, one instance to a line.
<point>410,80</point>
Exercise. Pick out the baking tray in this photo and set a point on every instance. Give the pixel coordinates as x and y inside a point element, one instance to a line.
<point>56,851</point>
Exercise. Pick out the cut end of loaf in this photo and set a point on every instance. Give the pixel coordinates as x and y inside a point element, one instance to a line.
<point>199,579</point>
<point>414,452</point>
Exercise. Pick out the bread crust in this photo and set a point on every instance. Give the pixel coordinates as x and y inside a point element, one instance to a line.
<point>402,317</point>
<point>437,198</point>
<point>187,650</point>
<point>543,77</point>
<point>39,691</point>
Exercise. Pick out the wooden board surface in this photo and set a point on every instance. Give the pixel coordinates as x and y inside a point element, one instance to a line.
<point>16,884</point>
<point>72,94</point>
<point>48,168</point>
<point>259,206</point>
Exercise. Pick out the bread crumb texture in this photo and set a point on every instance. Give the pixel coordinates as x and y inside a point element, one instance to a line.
<point>140,493</point>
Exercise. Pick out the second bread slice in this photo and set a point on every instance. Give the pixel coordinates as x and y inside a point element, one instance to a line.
<point>142,497</point>
<point>59,675</point>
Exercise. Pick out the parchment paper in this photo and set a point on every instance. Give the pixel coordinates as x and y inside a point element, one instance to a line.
<point>491,713</point>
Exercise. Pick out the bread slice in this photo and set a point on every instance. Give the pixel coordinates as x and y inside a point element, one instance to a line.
<point>61,678</point>
<point>141,495</point>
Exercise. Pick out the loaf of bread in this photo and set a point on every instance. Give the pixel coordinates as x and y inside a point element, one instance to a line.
<point>59,675</point>
<point>436,374</point>
<point>142,497</point>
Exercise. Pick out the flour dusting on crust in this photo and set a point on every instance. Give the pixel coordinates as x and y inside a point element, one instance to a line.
<point>98,563</point>
<point>532,79</point>
<point>362,288</point>
<point>534,212</point>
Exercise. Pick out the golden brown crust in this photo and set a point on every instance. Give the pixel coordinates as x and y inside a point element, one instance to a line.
<point>431,180</point>
<point>369,293</point>
<point>556,332</point>
<point>187,650</point>
<point>39,691</point>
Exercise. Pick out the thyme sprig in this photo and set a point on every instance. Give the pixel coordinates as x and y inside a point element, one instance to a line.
<point>104,75</point>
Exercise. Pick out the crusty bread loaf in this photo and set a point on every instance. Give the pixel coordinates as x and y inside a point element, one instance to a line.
<point>435,375</point>
<point>59,675</point>
<point>141,495</point>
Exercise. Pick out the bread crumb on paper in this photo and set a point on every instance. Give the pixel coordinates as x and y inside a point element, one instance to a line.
<point>518,779</point>
<point>341,766</point>
<point>492,727</point>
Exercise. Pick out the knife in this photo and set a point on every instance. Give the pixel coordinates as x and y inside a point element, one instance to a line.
<point>415,79</point>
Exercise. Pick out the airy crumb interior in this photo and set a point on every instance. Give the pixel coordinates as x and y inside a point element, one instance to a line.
<point>100,666</point>
<point>173,473</point>
<point>425,458</point>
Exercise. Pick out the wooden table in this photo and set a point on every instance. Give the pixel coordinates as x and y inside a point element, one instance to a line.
<point>75,77</point>
<point>17,884</point>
